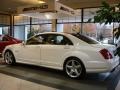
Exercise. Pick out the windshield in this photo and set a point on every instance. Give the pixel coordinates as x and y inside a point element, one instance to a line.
<point>86,39</point>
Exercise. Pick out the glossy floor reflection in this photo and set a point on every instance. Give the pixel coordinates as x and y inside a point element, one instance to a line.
<point>12,83</point>
<point>38,78</point>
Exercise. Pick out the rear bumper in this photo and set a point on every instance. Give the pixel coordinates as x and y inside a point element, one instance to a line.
<point>114,63</point>
<point>100,67</point>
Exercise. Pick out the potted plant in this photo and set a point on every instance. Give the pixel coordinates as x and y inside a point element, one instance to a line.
<point>108,14</point>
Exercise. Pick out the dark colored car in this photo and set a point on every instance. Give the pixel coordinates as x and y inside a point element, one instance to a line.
<point>6,40</point>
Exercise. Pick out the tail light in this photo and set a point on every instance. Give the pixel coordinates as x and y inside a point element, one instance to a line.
<point>106,54</point>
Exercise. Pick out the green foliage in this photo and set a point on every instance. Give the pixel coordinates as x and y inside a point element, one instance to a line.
<point>107,14</point>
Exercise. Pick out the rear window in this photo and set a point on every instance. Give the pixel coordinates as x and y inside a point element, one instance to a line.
<point>86,39</point>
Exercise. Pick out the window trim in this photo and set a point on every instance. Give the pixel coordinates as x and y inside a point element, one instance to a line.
<point>50,34</point>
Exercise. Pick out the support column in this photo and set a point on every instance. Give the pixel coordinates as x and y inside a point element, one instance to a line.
<point>11,31</point>
<point>30,24</point>
<point>82,18</point>
<point>54,25</point>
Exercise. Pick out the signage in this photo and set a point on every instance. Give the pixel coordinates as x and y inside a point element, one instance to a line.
<point>48,10</point>
<point>67,10</point>
<point>64,9</point>
<point>35,8</point>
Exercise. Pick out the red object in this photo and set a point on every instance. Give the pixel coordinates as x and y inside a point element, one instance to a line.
<point>106,54</point>
<point>6,40</point>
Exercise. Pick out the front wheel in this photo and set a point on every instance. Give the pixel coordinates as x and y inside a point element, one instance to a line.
<point>74,68</point>
<point>9,58</point>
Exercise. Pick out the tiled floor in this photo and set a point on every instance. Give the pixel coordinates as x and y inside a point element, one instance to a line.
<point>28,77</point>
<point>12,83</point>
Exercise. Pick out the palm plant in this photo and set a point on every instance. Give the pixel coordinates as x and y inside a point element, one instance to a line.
<point>108,14</point>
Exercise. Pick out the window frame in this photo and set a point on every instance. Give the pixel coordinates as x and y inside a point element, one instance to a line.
<point>55,35</point>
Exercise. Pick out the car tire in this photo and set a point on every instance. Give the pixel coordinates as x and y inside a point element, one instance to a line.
<point>9,58</point>
<point>74,68</point>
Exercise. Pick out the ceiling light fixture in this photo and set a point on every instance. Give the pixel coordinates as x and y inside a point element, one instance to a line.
<point>41,1</point>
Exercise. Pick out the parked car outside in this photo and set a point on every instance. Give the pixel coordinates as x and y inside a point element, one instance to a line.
<point>73,53</point>
<point>6,40</point>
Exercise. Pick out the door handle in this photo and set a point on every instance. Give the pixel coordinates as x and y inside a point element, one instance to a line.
<point>67,47</point>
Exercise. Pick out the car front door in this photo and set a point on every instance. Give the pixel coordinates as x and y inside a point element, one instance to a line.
<point>30,52</point>
<point>55,47</point>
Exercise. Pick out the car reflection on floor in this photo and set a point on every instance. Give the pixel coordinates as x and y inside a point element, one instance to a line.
<point>57,79</point>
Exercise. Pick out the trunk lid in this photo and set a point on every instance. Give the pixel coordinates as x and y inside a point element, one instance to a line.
<point>110,48</point>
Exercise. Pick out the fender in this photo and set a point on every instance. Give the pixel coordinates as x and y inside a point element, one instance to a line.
<point>81,55</point>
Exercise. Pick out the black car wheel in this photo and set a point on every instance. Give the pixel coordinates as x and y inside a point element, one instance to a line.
<point>9,58</point>
<point>74,68</point>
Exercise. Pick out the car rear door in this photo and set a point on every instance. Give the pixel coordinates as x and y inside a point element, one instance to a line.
<point>54,49</point>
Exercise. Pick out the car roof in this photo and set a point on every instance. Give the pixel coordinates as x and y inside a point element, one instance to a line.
<point>62,33</point>
<point>52,33</point>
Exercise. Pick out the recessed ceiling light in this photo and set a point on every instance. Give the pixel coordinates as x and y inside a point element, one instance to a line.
<point>41,1</point>
<point>9,8</point>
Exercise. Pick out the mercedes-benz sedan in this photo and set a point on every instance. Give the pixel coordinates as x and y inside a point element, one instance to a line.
<point>73,53</point>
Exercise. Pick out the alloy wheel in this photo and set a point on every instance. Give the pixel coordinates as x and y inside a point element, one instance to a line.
<point>73,68</point>
<point>9,58</point>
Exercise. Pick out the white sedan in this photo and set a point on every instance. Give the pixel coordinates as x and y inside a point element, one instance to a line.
<point>73,53</point>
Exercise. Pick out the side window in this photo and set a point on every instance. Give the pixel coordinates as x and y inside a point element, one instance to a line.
<point>35,40</point>
<point>50,39</point>
<point>62,40</point>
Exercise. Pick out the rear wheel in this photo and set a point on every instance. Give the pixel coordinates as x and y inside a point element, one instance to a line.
<point>74,68</point>
<point>9,58</point>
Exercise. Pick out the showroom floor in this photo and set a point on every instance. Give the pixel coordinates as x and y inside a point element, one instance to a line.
<point>29,77</point>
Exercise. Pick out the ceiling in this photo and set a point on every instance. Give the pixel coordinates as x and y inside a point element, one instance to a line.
<point>10,6</point>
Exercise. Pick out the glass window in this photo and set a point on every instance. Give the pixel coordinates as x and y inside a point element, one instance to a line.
<point>74,19</point>
<point>40,21</point>
<point>71,19</point>
<point>0,30</point>
<point>19,32</point>
<point>62,40</point>
<point>49,39</point>
<point>5,30</point>
<point>69,28</point>
<point>89,13</point>
<point>41,28</point>
<point>100,32</point>
<point>86,39</point>
<point>36,40</point>
<point>37,29</point>
<point>58,40</point>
